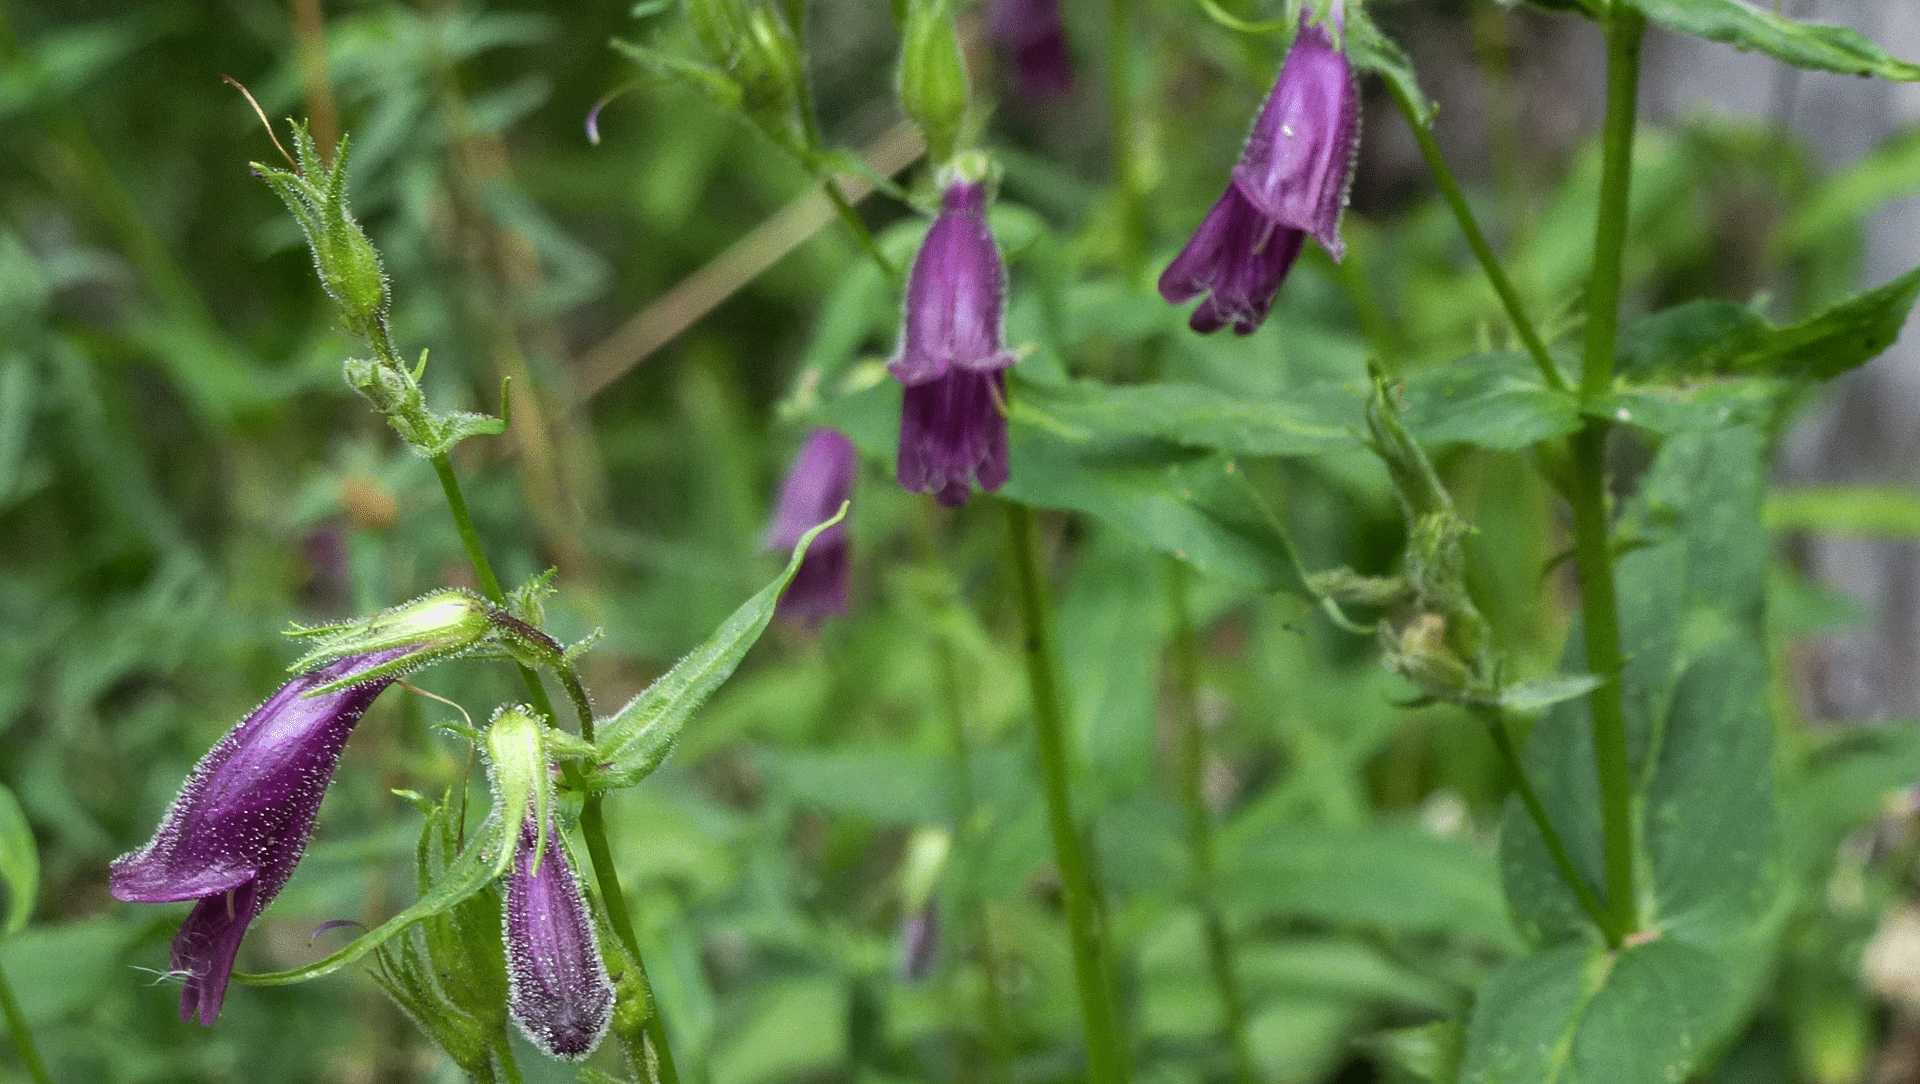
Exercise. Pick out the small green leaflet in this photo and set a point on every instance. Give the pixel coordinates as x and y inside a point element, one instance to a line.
<point>1804,45</point>
<point>638,737</point>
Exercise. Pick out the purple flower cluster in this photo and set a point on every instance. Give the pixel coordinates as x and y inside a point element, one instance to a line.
<point>953,422</point>
<point>1291,182</point>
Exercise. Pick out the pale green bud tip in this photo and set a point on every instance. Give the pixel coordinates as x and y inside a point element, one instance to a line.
<point>968,167</point>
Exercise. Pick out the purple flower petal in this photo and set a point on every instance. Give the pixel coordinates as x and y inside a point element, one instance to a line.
<point>819,482</point>
<point>557,985</point>
<point>953,431</point>
<point>242,821</point>
<point>1033,32</point>
<point>1298,163</point>
<point>1291,181</point>
<point>955,294</point>
<point>1240,258</point>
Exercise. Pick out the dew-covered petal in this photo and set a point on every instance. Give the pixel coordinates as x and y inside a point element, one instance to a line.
<point>1298,163</point>
<point>557,985</point>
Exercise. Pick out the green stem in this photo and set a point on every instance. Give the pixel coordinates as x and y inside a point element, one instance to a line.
<point>1106,1061</point>
<point>1592,549</point>
<point>1624,28</point>
<point>593,827</point>
<point>509,1067</point>
<point>857,227</point>
<point>1127,167</point>
<point>1477,240</point>
<point>22,1038</point>
<point>1537,810</point>
<point>1184,667</point>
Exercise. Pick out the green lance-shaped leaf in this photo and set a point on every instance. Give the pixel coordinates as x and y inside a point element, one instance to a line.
<point>638,737</point>
<point>468,874</point>
<point>1804,45</point>
<point>19,863</point>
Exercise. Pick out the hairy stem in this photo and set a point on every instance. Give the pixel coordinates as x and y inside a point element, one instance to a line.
<point>1477,240</point>
<point>593,827</point>
<point>1593,553</point>
<point>1536,810</point>
<point>1106,1058</point>
<point>1184,669</point>
<point>22,1038</point>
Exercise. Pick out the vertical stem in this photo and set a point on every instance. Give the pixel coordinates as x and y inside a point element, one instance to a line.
<point>1593,554</point>
<point>1624,27</point>
<point>22,1038</point>
<point>593,828</point>
<point>856,226</point>
<point>1184,667</point>
<point>1537,811</point>
<point>1126,139</point>
<point>1106,1059</point>
<point>1489,263</point>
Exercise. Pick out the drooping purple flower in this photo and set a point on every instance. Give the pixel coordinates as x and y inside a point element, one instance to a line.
<point>952,431</point>
<point>953,425</point>
<point>557,985</point>
<point>1032,31</point>
<point>242,822</point>
<point>1291,183</point>
<point>920,942</point>
<point>820,480</point>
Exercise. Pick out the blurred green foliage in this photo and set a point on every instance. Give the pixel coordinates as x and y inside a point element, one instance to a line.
<point>182,472</point>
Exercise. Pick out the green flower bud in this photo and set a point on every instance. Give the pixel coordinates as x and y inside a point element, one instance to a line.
<point>518,765</point>
<point>350,269</point>
<point>432,627</point>
<point>933,76</point>
<point>772,78</point>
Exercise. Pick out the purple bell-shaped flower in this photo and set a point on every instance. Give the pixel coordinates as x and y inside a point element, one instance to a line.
<point>1032,31</point>
<point>1291,182</point>
<point>953,424</point>
<point>557,985</point>
<point>820,480</point>
<point>243,819</point>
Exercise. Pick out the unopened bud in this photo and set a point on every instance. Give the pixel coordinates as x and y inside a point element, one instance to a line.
<point>430,628</point>
<point>933,76</point>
